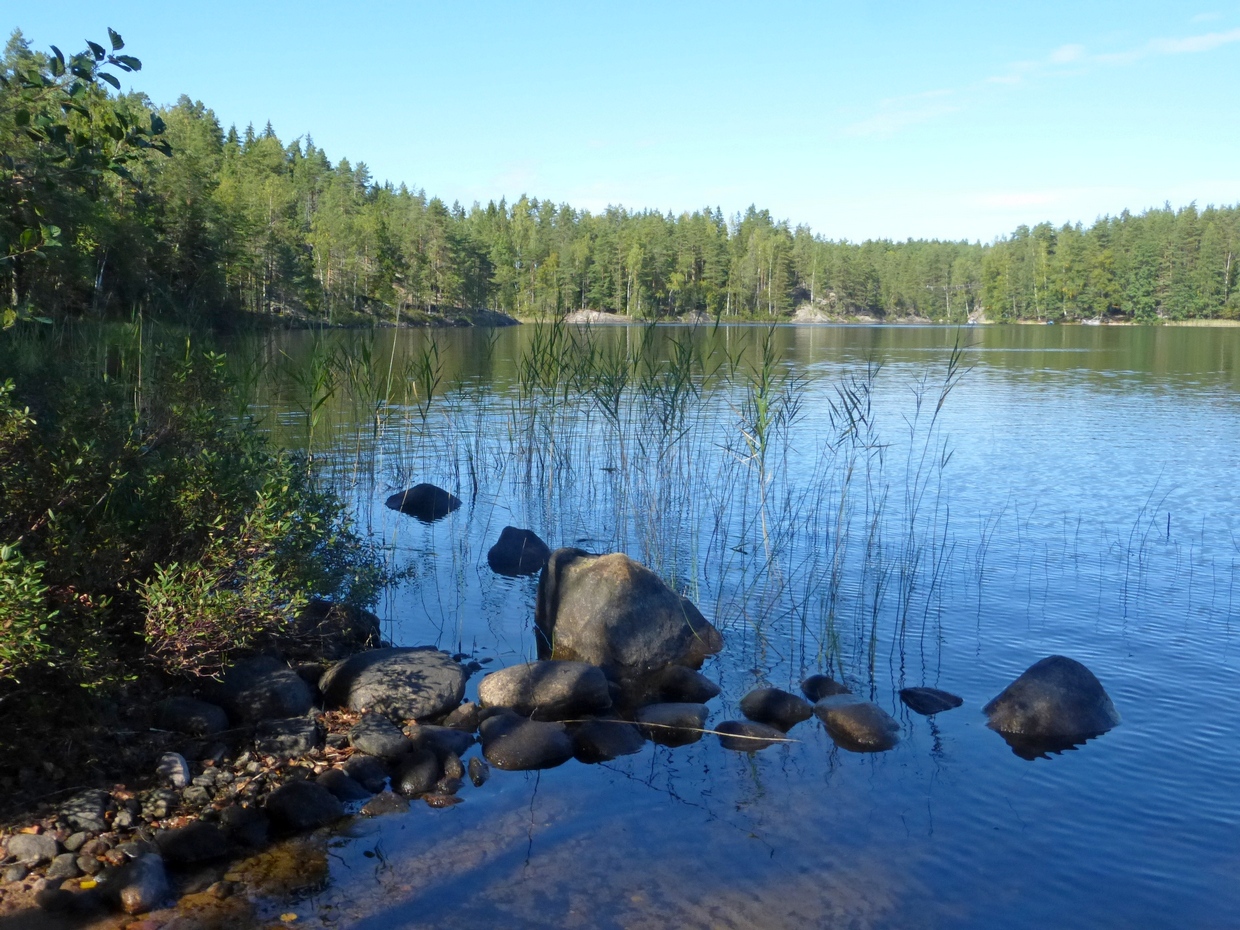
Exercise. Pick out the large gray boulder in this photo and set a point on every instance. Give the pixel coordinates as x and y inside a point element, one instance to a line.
<point>262,688</point>
<point>402,684</point>
<point>426,502</point>
<point>613,612</point>
<point>547,690</point>
<point>856,724</point>
<point>1056,698</point>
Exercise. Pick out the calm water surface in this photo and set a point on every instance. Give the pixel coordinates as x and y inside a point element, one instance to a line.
<point>1076,494</point>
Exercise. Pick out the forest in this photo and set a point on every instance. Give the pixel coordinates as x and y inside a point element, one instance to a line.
<point>111,206</point>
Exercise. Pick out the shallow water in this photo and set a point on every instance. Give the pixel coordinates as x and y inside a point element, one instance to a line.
<point>1076,494</point>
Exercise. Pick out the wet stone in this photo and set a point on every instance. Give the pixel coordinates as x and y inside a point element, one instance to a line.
<point>776,708</point>
<point>479,772</point>
<point>192,716</point>
<point>343,787</point>
<point>517,552</point>
<point>439,740</point>
<point>195,842</point>
<point>678,684</point>
<point>295,736</point>
<point>929,701</point>
<point>368,771</point>
<point>606,739</point>
<point>856,724</point>
<point>748,735</point>
<point>547,690</point>
<point>417,773</point>
<point>385,803</point>
<point>32,848</point>
<point>378,736</point>
<point>140,885</point>
<point>452,767</point>
<point>673,724</point>
<point>303,805</point>
<point>466,717</point>
<point>426,502</point>
<point>514,743</point>
<point>817,687</point>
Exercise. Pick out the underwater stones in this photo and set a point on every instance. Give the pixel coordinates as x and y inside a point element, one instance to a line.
<point>385,803</point>
<point>817,687</point>
<point>929,701</point>
<point>1057,701</point>
<point>442,741</point>
<point>517,552</point>
<point>298,806</point>
<point>776,708</point>
<point>345,789</point>
<point>400,683</point>
<point>426,502</point>
<point>856,724</point>
<point>673,724</point>
<point>294,736</point>
<point>748,735</point>
<point>613,612</point>
<point>516,743</point>
<point>262,688</point>
<point>378,736</point>
<point>547,690</point>
<point>189,715</point>
<point>417,773</point>
<point>678,684</point>
<point>605,739</point>
<point>368,771</point>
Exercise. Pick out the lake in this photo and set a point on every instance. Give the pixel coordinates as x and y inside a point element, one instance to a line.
<point>897,506</point>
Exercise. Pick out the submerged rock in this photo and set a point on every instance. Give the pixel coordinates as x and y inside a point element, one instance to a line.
<point>426,502</point>
<point>385,803</point>
<point>929,701</point>
<point>442,741</point>
<point>856,724</point>
<point>346,789</point>
<point>748,735</point>
<point>547,690</point>
<point>515,743</point>
<point>368,771</point>
<point>673,724</point>
<point>479,772</point>
<point>775,707</point>
<point>298,806</point>
<point>262,688</point>
<point>613,612</point>
<point>606,739</point>
<point>679,684</point>
<point>1056,704</point>
<point>817,687</point>
<point>400,683</point>
<point>518,552</point>
<point>417,773</point>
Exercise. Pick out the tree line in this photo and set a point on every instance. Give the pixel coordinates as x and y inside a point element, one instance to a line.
<point>203,224</point>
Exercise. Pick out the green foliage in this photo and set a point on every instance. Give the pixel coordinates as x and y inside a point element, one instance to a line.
<point>144,522</point>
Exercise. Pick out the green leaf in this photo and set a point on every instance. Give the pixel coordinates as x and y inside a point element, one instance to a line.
<point>128,62</point>
<point>58,63</point>
<point>157,124</point>
<point>96,49</point>
<point>110,78</point>
<point>117,42</point>
<point>21,118</point>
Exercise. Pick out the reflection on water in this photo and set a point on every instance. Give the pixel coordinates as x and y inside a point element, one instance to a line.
<point>1073,494</point>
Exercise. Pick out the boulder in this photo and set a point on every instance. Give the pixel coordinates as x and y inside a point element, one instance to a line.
<point>196,842</point>
<point>817,687</point>
<point>479,772</point>
<point>342,786</point>
<point>856,724</point>
<point>515,743</point>
<point>400,683</point>
<point>613,612</point>
<point>327,630</point>
<point>678,684</point>
<point>385,803</point>
<point>417,773</point>
<point>775,707</point>
<point>190,715</point>
<point>442,741</point>
<point>426,502</point>
<point>673,724</point>
<point>262,688</point>
<point>86,811</point>
<point>140,885</point>
<point>302,805</point>
<point>748,735</point>
<point>295,736</point>
<point>1055,704</point>
<point>32,848</point>
<point>378,736</point>
<point>518,552</point>
<point>368,771</point>
<point>929,701</point>
<point>246,825</point>
<point>173,769</point>
<point>606,739</point>
<point>547,690</point>
<point>466,717</point>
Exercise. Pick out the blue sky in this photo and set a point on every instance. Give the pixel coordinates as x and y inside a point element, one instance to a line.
<point>862,120</point>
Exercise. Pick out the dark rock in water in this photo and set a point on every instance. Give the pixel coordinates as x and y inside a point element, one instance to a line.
<point>453,768</point>
<point>263,688</point>
<point>302,805</point>
<point>378,736</point>
<point>442,741</point>
<point>673,724</point>
<point>606,739</point>
<point>678,684</point>
<point>929,701</point>
<point>342,786</point>
<point>817,687</point>
<point>1056,704</point>
<point>197,842</point>
<point>173,769</point>
<point>140,885</point>
<point>425,501</point>
<point>615,613</point>
<point>189,715</point>
<point>514,743</point>
<point>401,684</point>
<point>86,811</point>
<point>62,867</point>
<point>547,690</point>
<point>417,773</point>
<point>33,848</point>
<point>293,737</point>
<point>247,825</point>
<point>466,717</point>
<point>479,772</point>
<point>326,630</point>
<point>385,803</point>
<point>518,552</point>
<point>856,724</point>
<point>367,771</point>
<point>776,708</point>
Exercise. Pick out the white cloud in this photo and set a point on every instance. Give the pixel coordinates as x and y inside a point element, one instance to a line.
<point>1206,17</point>
<point>1201,43</point>
<point>1067,53</point>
